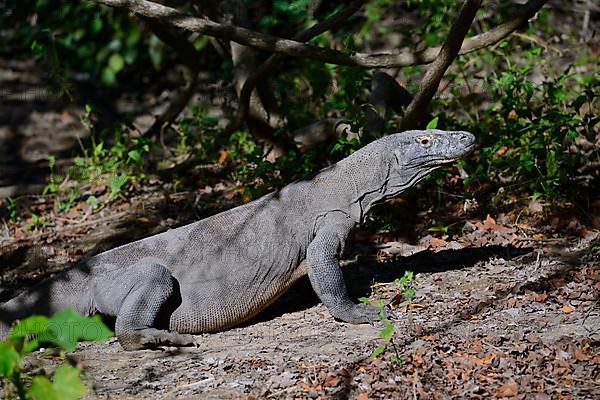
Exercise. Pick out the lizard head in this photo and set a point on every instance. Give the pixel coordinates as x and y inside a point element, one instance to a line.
<point>389,166</point>
<point>432,148</point>
<point>417,153</point>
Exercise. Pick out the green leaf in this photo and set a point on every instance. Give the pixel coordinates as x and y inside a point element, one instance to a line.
<point>155,51</point>
<point>64,330</point>
<point>96,25</point>
<point>33,325</point>
<point>108,76</point>
<point>116,183</point>
<point>409,293</point>
<point>9,359</point>
<point>130,55</point>
<point>536,51</point>
<point>79,161</point>
<point>135,155</point>
<point>439,228</point>
<point>364,300</point>
<point>133,36</point>
<point>93,201</point>
<point>41,389</point>
<point>433,123</point>
<point>573,133</point>
<point>387,332</point>
<point>578,102</point>
<point>116,62</point>
<point>551,164</point>
<point>67,327</point>
<point>378,351</point>
<point>67,385</point>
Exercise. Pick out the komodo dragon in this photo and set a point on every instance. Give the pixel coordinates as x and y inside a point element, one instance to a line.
<point>218,272</point>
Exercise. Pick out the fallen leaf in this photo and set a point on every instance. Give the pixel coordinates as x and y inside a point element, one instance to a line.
<point>363,396</point>
<point>512,302</point>
<point>508,390</point>
<point>541,396</point>
<point>435,242</point>
<point>488,359</point>
<point>66,117</point>
<point>536,206</point>
<point>418,360</point>
<point>333,380</point>
<point>223,156</point>
<point>525,227</point>
<point>567,309</point>
<point>539,297</point>
<point>580,355</point>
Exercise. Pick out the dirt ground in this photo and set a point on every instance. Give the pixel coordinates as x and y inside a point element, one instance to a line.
<point>507,308</point>
<point>485,322</point>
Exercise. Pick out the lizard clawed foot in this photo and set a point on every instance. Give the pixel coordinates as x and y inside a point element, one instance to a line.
<point>358,314</point>
<point>151,338</point>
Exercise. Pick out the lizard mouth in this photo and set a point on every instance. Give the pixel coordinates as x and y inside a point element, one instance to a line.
<point>442,161</point>
<point>466,151</point>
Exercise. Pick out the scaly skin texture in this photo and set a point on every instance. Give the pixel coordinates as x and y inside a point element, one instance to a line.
<point>218,272</point>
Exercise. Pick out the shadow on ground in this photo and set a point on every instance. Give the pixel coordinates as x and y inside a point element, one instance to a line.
<point>361,275</point>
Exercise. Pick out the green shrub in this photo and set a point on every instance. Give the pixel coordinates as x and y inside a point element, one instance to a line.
<point>62,330</point>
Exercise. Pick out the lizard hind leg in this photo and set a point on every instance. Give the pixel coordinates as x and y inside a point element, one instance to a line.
<point>144,296</point>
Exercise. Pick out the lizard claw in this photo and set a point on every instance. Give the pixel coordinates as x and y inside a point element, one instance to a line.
<point>358,314</point>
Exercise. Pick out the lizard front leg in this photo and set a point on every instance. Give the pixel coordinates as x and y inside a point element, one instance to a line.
<point>327,280</point>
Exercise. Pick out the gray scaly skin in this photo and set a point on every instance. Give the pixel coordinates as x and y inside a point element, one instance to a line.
<point>218,272</point>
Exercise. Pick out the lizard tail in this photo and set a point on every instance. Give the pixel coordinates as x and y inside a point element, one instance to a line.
<point>66,290</point>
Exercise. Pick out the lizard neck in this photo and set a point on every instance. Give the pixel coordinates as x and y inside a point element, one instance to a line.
<point>365,177</point>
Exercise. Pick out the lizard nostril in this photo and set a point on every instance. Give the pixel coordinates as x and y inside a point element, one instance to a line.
<point>465,137</point>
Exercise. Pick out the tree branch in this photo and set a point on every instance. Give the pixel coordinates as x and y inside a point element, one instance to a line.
<point>418,106</point>
<point>294,48</point>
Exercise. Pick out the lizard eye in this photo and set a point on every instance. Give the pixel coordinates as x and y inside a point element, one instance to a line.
<point>424,140</point>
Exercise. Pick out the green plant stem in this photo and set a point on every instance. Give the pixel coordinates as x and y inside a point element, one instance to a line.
<point>16,379</point>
